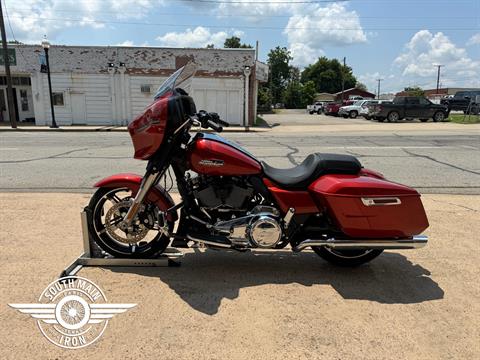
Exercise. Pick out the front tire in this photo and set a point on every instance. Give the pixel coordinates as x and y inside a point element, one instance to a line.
<point>347,258</point>
<point>439,116</point>
<point>353,114</point>
<point>100,226</point>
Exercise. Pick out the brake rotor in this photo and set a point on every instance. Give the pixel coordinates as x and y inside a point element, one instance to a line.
<point>135,232</point>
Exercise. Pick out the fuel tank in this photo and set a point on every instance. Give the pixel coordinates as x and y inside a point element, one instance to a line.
<point>211,154</point>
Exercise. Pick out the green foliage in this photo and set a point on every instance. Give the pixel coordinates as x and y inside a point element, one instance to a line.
<point>308,93</point>
<point>235,43</point>
<point>210,46</point>
<point>298,95</point>
<point>414,91</point>
<point>280,71</point>
<point>264,98</point>
<point>327,75</point>
<point>361,86</point>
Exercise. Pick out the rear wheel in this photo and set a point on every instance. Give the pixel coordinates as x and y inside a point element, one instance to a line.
<point>319,111</point>
<point>145,237</point>
<point>346,257</point>
<point>393,116</point>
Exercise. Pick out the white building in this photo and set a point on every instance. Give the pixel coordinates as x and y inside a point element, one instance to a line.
<point>110,85</point>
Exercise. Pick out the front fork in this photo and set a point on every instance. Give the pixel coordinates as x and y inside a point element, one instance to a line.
<point>147,182</point>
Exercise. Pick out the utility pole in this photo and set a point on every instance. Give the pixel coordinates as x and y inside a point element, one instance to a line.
<point>378,88</point>
<point>343,75</point>
<point>438,76</point>
<point>6,61</point>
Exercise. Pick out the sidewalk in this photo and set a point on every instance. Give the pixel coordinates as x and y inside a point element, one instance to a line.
<point>73,128</point>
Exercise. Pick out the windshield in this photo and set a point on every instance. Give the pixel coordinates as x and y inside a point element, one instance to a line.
<point>182,78</point>
<point>358,103</point>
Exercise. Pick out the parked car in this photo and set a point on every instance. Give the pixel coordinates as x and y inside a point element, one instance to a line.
<point>410,107</point>
<point>333,107</point>
<point>352,111</point>
<point>316,108</point>
<point>463,101</point>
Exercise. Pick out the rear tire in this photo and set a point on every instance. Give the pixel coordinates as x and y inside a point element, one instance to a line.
<point>347,258</point>
<point>393,116</point>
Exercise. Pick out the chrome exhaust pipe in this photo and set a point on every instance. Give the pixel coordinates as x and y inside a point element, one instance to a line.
<point>416,242</point>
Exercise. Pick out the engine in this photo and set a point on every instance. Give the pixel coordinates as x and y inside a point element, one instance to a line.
<point>222,196</point>
<point>236,212</point>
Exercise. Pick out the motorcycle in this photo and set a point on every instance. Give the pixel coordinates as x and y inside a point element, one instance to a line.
<point>230,200</point>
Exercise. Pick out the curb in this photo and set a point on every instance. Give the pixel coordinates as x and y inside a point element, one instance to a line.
<point>114,129</point>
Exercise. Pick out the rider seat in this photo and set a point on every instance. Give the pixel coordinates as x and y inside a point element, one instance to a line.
<point>314,166</point>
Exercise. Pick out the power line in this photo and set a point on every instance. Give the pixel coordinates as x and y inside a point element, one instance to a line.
<point>243,26</point>
<point>29,10</point>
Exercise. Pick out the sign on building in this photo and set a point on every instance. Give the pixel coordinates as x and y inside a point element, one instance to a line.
<point>11,56</point>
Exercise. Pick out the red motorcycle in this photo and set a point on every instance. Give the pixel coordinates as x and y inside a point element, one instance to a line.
<point>230,200</point>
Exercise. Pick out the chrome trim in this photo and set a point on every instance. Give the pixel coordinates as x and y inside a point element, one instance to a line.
<point>416,242</point>
<point>288,217</point>
<point>381,201</point>
<point>189,237</point>
<point>145,186</point>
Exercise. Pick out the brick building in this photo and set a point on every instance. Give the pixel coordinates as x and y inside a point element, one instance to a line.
<point>110,85</point>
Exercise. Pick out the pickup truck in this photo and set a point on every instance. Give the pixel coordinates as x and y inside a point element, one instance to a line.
<point>316,108</point>
<point>333,107</point>
<point>409,107</point>
<point>464,101</point>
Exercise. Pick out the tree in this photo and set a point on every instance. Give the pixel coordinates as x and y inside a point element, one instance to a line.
<point>280,71</point>
<point>235,43</point>
<point>308,93</point>
<point>361,86</point>
<point>327,75</point>
<point>210,46</point>
<point>414,91</point>
<point>264,98</point>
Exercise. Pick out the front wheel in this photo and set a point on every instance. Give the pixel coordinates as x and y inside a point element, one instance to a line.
<point>145,237</point>
<point>353,114</point>
<point>393,116</point>
<point>439,116</point>
<point>348,258</point>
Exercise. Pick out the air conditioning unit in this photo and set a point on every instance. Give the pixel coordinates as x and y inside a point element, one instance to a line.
<point>146,89</point>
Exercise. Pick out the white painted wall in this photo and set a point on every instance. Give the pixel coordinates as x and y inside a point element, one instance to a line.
<point>116,99</point>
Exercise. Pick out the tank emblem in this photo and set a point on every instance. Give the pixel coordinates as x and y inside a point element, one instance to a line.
<point>213,162</point>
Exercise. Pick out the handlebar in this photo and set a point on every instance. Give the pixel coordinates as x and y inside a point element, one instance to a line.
<point>211,120</point>
<point>214,126</point>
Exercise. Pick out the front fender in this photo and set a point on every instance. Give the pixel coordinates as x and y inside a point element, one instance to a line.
<point>156,195</point>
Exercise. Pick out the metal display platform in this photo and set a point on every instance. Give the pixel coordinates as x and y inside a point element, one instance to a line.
<point>94,256</point>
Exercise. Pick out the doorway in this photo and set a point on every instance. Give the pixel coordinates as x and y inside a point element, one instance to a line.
<point>78,109</point>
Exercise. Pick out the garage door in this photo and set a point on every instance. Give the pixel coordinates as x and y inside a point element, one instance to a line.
<point>227,103</point>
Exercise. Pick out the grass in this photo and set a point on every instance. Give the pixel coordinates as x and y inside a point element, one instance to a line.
<point>459,119</point>
<point>259,121</point>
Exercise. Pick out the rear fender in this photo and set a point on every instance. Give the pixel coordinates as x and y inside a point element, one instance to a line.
<point>156,195</point>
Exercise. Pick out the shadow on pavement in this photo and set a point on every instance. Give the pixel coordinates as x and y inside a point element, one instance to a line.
<point>204,279</point>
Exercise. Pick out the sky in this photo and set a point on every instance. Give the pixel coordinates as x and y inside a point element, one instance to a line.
<point>399,41</point>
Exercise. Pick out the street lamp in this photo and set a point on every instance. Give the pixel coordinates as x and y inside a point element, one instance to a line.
<point>46,46</point>
<point>246,72</point>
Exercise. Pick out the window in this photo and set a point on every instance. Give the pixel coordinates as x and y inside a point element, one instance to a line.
<point>24,100</point>
<point>145,88</point>
<point>424,101</point>
<point>58,99</point>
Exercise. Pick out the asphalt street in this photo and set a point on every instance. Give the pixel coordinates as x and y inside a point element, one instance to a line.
<point>433,162</point>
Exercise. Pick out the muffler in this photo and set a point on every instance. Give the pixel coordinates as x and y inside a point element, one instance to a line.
<point>415,242</point>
